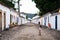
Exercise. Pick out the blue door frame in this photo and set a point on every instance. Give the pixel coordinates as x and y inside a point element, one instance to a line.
<point>45,21</point>
<point>55,22</point>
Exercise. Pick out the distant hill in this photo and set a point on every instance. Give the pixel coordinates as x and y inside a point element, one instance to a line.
<point>29,15</point>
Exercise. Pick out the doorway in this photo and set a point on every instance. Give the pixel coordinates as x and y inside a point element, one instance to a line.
<point>55,22</point>
<point>0,21</point>
<point>4,20</point>
<point>45,21</point>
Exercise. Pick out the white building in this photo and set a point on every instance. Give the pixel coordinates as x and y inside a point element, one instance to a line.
<point>7,17</point>
<point>51,20</point>
<point>36,19</point>
<point>10,18</point>
<point>24,20</point>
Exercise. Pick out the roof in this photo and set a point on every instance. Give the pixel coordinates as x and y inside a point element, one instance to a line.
<point>46,14</point>
<point>22,17</point>
<point>55,11</point>
<point>36,17</point>
<point>55,14</point>
<point>4,5</point>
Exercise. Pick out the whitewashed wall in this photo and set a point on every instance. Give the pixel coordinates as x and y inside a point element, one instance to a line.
<point>7,11</point>
<point>24,21</point>
<point>52,22</point>
<point>15,16</point>
<point>42,21</point>
<point>19,21</point>
<point>58,22</point>
<point>35,21</point>
<point>46,20</point>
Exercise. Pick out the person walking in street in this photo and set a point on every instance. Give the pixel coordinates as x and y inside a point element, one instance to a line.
<point>40,25</point>
<point>39,29</point>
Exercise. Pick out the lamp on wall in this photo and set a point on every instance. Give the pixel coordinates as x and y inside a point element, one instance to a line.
<point>59,11</point>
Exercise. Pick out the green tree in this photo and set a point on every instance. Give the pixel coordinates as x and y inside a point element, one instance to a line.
<point>26,17</point>
<point>47,5</point>
<point>7,3</point>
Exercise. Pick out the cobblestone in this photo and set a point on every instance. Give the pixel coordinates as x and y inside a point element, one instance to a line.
<point>30,31</point>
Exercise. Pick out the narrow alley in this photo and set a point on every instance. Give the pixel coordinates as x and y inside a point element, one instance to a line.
<point>29,19</point>
<point>30,31</point>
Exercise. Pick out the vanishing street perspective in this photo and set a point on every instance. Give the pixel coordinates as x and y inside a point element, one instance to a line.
<point>29,19</point>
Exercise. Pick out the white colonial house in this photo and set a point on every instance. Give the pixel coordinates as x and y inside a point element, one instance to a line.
<point>8,17</point>
<point>36,19</point>
<point>51,20</point>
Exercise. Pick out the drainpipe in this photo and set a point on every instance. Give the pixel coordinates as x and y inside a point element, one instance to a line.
<point>19,9</point>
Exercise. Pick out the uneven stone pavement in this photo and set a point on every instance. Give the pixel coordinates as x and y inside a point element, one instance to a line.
<point>30,31</point>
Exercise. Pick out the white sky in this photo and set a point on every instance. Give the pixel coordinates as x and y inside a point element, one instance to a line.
<point>28,6</point>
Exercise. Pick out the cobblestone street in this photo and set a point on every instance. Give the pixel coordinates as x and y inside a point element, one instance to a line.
<point>30,31</point>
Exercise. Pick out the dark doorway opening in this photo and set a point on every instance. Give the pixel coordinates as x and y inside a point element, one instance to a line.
<point>55,22</point>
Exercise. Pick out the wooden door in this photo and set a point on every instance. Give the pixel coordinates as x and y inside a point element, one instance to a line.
<point>4,20</point>
<point>0,21</point>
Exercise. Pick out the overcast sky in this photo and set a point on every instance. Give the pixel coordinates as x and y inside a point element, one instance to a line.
<point>28,6</point>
